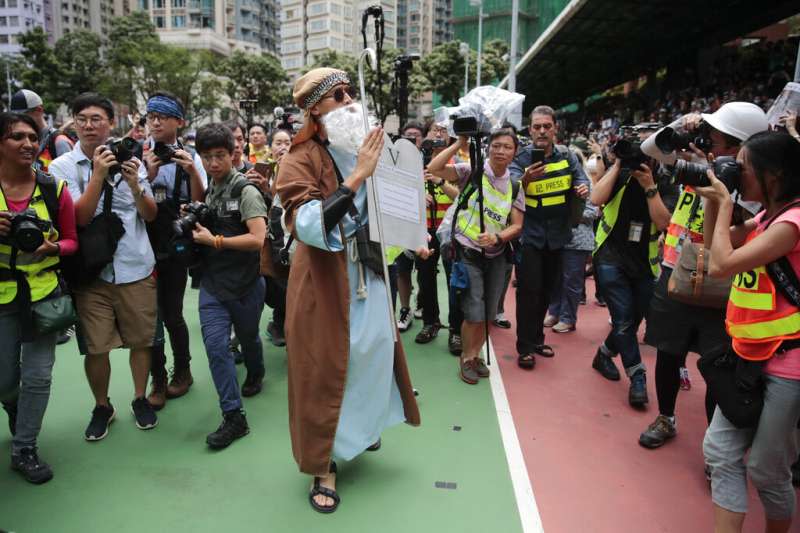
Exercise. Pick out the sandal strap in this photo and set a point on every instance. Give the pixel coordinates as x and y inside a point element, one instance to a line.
<point>324,491</point>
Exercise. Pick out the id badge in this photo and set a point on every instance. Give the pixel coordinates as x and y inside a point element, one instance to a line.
<point>160,194</point>
<point>635,231</point>
<point>232,205</point>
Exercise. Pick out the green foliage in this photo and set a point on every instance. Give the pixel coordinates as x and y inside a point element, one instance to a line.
<point>494,67</point>
<point>38,66</point>
<point>253,77</point>
<point>79,65</point>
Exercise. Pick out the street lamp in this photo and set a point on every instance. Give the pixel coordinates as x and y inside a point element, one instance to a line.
<point>479,5</point>
<point>512,70</point>
<point>463,49</point>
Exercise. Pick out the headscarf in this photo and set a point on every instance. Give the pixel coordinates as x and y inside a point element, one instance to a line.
<point>165,105</point>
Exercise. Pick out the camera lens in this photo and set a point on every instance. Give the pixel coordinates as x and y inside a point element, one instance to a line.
<point>692,174</point>
<point>28,237</point>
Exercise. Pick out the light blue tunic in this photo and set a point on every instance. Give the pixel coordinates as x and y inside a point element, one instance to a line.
<point>372,400</point>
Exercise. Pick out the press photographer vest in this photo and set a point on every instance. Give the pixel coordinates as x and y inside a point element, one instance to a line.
<point>227,273</point>
<point>496,208</point>
<point>678,225</point>
<point>756,319</point>
<point>436,212</point>
<point>546,197</point>
<point>39,271</point>
<point>609,219</point>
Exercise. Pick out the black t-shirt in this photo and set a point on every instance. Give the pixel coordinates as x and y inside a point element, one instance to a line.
<point>633,218</point>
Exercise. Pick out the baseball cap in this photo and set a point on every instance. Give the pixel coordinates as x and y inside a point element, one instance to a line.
<point>24,100</point>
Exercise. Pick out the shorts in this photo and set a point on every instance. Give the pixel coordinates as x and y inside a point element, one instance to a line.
<point>476,299</point>
<point>678,328</point>
<point>404,263</point>
<point>117,316</point>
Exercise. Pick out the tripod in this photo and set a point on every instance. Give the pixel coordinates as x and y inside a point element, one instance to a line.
<point>476,162</point>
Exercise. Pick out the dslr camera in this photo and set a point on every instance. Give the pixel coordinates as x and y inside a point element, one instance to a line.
<point>123,149</point>
<point>628,148</point>
<point>164,152</point>
<point>671,140</point>
<point>726,168</point>
<point>428,146</point>
<point>27,230</point>
<point>195,212</point>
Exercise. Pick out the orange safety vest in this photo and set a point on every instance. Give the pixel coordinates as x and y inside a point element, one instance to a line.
<point>678,226</point>
<point>441,202</point>
<point>758,320</point>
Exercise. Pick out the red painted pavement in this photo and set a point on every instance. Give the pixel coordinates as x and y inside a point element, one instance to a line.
<point>579,438</point>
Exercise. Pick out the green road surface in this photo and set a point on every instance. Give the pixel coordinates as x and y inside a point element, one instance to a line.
<point>167,480</point>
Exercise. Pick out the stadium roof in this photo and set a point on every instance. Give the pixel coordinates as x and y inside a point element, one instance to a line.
<point>595,44</point>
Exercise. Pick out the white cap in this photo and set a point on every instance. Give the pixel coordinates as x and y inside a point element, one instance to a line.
<point>24,100</point>
<point>738,119</point>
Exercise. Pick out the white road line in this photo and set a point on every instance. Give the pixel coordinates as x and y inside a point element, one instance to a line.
<point>523,491</point>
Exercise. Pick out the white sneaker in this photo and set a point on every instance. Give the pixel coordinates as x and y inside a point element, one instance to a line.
<point>406,319</point>
<point>550,321</point>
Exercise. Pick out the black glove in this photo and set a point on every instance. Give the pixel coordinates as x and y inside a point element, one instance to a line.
<point>335,207</point>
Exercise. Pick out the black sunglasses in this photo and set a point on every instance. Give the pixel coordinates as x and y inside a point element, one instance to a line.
<point>339,93</point>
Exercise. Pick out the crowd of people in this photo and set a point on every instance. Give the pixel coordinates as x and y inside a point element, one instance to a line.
<point>702,241</point>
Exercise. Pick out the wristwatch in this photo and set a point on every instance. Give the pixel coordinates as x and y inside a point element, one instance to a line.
<point>651,192</point>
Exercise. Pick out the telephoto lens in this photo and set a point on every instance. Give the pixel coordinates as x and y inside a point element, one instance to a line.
<point>726,168</point>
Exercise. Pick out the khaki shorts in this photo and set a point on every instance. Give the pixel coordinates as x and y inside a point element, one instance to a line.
<point>117,316</point>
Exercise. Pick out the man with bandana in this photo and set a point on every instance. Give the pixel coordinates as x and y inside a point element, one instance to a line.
<point>176,177</point>
<point>348,378</point>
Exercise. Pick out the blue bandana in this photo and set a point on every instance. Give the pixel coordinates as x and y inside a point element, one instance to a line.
<point>164,106</point>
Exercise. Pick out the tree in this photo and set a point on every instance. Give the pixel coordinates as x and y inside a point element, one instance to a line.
<point>254,77</point>
<point>38,68</point>
<point>494,66</point>
<point>443,70</point>
<point>130,39</point>
<point>80,68</point>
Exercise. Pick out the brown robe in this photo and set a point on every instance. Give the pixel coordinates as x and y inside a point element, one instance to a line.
<point>317,320</point>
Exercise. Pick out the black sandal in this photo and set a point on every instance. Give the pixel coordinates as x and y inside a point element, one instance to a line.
<point>319,490</point>
<point>544,350</point>
<point>375,447</point>
<point>526,361</point>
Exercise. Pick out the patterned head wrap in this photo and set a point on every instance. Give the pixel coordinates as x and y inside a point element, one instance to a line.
<point>165,106</point>
<point>312,86</point>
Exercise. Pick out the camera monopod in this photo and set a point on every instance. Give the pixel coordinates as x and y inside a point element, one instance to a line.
<point>376,12</point>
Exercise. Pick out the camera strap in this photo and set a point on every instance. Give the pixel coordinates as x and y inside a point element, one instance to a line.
<point>180,177</point>
<point>781,271</point>
<point>23,299</point>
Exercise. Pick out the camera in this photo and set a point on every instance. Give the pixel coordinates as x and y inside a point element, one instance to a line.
<point>670,140</point>
<point>428,146</point>
<point>27,230</point>
<point>123,149</point>
<point>164,152</point>
<point>405,63</point>
<point>195,212</point>
<point>628,149</point>
<point>726,168</point>
<point>466,126</point>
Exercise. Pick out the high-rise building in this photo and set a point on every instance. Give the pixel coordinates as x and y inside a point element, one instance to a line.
<point>90,15</point>
<point>17,17</point>
<point>311,27</point>
<point>423,24</point>
<point>217,25</point>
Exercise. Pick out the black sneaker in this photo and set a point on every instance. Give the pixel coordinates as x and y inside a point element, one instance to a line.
<point>603,364</point>
<point>454,343</point>
<point>637,395</point>
<point>427,334</point>
<point>33,469</point>
<point>102,416</point>
<point>234,426</point>
<point>275,334</point>
<point>253,384</point>
<point>406,319</point>
<point>144,413</point>
<point>11,409</point>
<point>657,433</point>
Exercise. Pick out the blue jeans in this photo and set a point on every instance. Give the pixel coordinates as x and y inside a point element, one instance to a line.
<point>216,319</point>
<point>567,293</point>
<point>628,300</point>
<point>26,370</point>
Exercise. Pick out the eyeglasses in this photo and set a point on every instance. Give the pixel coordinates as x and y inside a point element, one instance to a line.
<point>21,135</point>
<point>546,126</point>
<point>339,93</point>
<point>152,117</point>
<point>94,120</point>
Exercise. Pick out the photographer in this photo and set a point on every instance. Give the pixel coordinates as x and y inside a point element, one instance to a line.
<point>552,178</point>
<point>502,219</point>
<point>26,355</point>
<point>764,326</point>
<point>118,308</point>
<point>176,176</point>
<point>675,328</point>
<point>52,143</point>
<point>230,228</point>
<point>626,261</point>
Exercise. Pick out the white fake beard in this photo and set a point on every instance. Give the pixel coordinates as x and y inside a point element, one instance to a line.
<point>345,127</point>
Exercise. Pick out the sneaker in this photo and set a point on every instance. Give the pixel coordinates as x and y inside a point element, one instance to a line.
<point>234,426</point>
<point>144,414</point>
<point>468,372</point>
<point>686,383</point>
<point>563,327</point>
<point>481,369</point>
<point>550,321</point>
<point>102,416</point>
<point>605,365</point>
<point>33,469</point>
<point>454,343</point>
<point>427,334</point>
<point>406,319</point>
<point>501,321</point>
<point>158,393</point>
<point>637,394</point>
<point>275,334</point>
<point>658,432</point>
<point>65,335</point>
<point>253,384</point>
<point>180,381</point>
<point>418,312</point>
<point>11,410</point>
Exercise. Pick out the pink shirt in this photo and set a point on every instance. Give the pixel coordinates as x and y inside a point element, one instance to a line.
<point>787,364</point>
<point>68,235</point>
